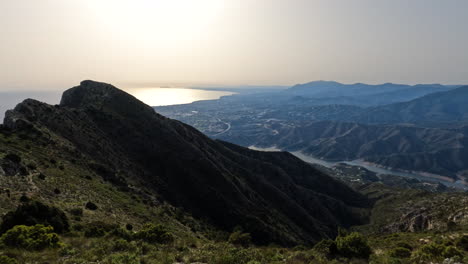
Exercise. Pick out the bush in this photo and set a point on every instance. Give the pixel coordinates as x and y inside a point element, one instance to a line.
<point>154,234</point>
<point>327,248</point>
<point>24,199</point>
<point>123,245</point>
<point>91,206</point>
<point>7,260</point>
<point>30,237</point>
<point>400,252</point>
<point>462,243</point>
<point>429,252</point>
<point>98,229</point>
<point>121,233</point>
<point>450,252</point>
<point>33,213</point>
<point>13,157</point>
<point>240,239</point>
<point>94,231</point>
<point>404,245</point>
<point>76,211</point>
<point>353,245</point>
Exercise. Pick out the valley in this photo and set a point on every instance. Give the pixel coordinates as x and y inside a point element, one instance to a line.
<point>118,182</point>
<point>426,135</point>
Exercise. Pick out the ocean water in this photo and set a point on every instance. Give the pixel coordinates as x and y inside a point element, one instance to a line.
<point>172,96</point>
<point>152,96</point>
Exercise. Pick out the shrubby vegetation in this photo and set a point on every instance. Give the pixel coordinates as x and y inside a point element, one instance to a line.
<point>7,260</point>
<point>33,213</point>
<point>353,245</point>
<point>349,246</point>
<point>30,237</point>
<point>154,234</point>
<point>240,239</point>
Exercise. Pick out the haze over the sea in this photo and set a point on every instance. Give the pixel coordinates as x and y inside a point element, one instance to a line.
<point>150,96</point>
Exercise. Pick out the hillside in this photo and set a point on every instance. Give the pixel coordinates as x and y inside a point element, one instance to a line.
<point>449,106</point>
<point>276,197</point>
<point>427,134</point>
<point>123,184</point>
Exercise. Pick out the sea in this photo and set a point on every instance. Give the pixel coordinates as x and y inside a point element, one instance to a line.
<point>153,96</point>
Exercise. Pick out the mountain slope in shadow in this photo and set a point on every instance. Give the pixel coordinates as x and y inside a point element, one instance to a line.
<point>275,196</point>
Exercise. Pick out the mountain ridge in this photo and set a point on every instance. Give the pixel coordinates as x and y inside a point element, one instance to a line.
<point>183,166</point>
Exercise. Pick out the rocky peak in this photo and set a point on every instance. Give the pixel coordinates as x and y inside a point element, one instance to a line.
<point>24,112</point>
<point>90,93</point>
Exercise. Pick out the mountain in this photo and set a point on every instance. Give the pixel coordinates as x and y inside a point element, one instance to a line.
<point>406,147</point>
<point>274,196</point>
<point>364,94</point>
<point>441,107</point>
<point>427,134</point>
<point>120,183</point>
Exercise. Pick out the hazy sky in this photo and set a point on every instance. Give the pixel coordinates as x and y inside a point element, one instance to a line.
<point>56,43</point>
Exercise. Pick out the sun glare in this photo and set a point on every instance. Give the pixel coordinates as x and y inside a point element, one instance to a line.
<point>156,19</point>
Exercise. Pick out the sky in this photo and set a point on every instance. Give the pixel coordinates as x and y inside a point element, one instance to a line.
<point>54,44</point>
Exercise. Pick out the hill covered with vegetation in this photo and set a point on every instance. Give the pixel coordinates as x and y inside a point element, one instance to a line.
<point>102,178</point>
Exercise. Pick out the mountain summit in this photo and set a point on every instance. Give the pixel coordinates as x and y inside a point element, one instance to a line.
<point>274,196</point>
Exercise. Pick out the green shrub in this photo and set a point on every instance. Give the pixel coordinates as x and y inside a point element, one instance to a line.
<point>240,239</point>
<point>98,229</point>
<point>353,245</point>
<point>30,237</point>
<point>433,249</point>
<point>327,248</point>
<point>429,252</point>
<point>154,234</point>
<point>234,256</point>
<point>123,245</point>
<point>13,157</point>
<point>76,211</point>
<point>404,245</point>
<point>462,243</point>
<point>451,251</point>
<point>400,252</point>
<point>94,231</point>
<point>124,258</point>
<point>91,206</point>
<point>24,199</point>
<point>33,213</point>
<point>7,260</point>
<point>121,233</point>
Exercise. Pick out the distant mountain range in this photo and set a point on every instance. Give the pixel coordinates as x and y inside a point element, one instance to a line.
<point>440,107</point>
<point>425,134</point>
<point>365,94</point>
<point>274,196</point>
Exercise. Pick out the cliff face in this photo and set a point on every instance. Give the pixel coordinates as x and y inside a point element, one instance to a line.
<point>275,196</point>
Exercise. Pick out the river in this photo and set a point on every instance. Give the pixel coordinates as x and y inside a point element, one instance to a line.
<point>376,169</point>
